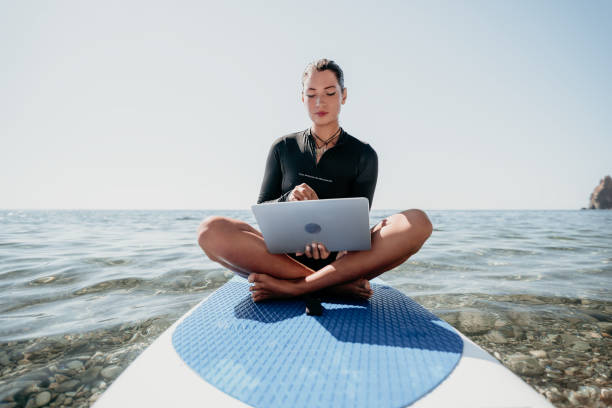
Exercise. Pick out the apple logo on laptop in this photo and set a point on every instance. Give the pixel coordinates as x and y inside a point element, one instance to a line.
<point>312,228</point>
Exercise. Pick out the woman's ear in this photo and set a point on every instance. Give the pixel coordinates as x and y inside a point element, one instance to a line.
<point>343,96</point>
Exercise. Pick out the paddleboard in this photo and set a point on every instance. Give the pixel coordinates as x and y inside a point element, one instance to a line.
<point>388,351</point>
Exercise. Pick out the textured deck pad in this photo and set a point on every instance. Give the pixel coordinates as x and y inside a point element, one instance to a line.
<point>387,352</point>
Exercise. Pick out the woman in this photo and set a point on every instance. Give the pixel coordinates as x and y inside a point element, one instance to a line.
<point>321,162</point>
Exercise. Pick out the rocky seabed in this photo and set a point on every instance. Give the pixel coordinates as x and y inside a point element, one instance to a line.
<point>563,351</point>
<point>71,370</point>
<point>561,347</point>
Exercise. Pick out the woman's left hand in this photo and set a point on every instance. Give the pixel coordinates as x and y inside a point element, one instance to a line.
<point>315,250</point>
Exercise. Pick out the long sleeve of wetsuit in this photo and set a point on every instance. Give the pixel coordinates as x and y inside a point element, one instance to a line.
<point>365,182</point>
<point>271,186</point>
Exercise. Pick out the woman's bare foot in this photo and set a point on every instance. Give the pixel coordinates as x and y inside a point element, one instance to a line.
<point>267,287</point>
<point>359,288</point>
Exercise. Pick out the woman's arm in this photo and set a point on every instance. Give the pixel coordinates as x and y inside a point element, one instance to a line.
<point>365,182</point>
<point>271,190</point>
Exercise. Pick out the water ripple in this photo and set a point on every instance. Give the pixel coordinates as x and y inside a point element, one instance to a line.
<point>72,265</point>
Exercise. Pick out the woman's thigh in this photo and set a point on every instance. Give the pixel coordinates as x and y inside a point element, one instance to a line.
<point>240,225</point>
<point>247,227</point>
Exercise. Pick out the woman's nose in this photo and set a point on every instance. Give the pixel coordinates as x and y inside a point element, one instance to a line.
<point>317,100</point>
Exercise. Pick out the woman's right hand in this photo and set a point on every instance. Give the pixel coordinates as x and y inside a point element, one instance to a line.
<point>302,192</point>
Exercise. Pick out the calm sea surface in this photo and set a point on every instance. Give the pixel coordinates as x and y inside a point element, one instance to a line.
<point>94,274</point>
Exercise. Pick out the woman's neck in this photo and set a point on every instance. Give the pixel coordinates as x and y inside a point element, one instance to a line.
<point>325,131</point>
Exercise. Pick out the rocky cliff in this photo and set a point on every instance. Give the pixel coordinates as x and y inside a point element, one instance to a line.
<point>601,199</point>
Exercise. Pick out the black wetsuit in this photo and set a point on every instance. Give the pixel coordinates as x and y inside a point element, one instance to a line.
<point>348,169</point>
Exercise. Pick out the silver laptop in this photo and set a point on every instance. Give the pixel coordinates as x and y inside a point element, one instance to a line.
<point>338,223</point>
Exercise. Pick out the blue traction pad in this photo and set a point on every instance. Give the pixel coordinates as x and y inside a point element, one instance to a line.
<point>385,352</point>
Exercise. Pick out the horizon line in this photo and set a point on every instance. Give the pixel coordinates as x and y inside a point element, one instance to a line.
<point>248,209</point>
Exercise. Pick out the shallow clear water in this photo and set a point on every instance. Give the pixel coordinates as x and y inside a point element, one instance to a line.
<point>551,253</point>
<point>95,275</point>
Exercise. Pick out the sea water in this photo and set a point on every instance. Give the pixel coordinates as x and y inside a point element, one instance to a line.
<point>83,292</point>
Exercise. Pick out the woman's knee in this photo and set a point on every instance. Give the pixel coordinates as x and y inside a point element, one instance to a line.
<point>211,231</point>
<point>419,224</point>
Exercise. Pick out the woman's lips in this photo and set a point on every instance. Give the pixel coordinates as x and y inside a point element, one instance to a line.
<point>321,113</point>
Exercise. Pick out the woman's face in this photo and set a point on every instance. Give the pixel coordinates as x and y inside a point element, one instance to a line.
<point>322,97</point>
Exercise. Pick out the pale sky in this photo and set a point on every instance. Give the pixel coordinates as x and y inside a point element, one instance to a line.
<point>174,105</point>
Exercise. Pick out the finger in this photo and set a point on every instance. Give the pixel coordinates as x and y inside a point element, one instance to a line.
<point>308,253</point>
<point>299,196</point>
<point>310,192</point>
<point>320,248</point>
<point>304,195</point>
<point>305,192</point>
<point>323,251</point>
<point>315,250</point>
<point>313,194</point>
<point>299,253</point>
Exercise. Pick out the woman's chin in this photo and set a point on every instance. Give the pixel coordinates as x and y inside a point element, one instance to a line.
<point>323,121</point>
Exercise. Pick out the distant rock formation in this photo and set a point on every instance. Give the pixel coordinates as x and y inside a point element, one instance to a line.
<point>601,199</point>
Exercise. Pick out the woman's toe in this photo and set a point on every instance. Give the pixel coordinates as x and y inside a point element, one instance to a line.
<point>256,286</point>
<point>254,277</point>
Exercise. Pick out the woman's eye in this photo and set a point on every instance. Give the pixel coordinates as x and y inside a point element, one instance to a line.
<point>329,94</point>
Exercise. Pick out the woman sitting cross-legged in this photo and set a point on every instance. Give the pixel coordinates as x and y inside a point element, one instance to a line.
<point>321,162</point>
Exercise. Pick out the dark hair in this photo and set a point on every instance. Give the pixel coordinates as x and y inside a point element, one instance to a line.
<point>322,65</point>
